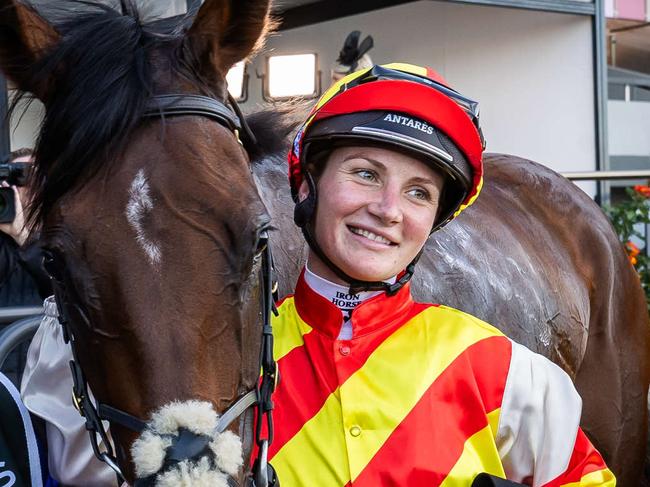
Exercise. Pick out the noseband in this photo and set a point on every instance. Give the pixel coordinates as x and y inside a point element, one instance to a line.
<point>263,474</point>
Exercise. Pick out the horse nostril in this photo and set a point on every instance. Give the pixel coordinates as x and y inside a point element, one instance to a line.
<point>187,446</point>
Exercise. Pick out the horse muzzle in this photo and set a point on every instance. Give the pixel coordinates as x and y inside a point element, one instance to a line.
<point>182,446</point>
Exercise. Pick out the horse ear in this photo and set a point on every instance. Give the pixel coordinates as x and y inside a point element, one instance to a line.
<point>227,31</point>
<point>24,37</point>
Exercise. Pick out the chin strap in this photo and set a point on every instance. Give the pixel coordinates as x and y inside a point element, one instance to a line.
<point>357,286</point>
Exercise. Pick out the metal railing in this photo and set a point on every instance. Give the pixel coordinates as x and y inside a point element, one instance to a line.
<point>15,334</point>
<point>606,175</point>
<point>14,313</point>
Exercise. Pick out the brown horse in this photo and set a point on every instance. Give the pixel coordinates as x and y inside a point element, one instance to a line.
<point>536,257</point>
<point>157,224</point>
<point>156,221</point>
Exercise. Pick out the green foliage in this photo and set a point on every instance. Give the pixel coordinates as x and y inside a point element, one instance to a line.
<point>624,217</point>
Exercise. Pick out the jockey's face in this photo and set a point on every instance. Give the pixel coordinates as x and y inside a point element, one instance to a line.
<point>375,210</point>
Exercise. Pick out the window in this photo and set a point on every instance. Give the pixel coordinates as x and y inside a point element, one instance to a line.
<point>237,79</point>
<point>289,76</point>
<point>616,92</point>
<point>628,92</point>
<point>640,93</point>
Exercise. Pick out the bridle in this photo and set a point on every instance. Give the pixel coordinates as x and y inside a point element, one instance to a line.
<point>260,397</point>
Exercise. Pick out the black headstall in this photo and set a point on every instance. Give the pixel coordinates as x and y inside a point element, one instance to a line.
<point>95,412</point>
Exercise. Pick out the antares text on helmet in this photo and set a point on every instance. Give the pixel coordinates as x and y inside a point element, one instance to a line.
<point>409,122</point>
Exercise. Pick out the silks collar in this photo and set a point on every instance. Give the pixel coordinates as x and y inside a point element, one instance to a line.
<point>374,313</point>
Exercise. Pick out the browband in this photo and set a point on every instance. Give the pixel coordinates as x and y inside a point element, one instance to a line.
<point>185,104</point>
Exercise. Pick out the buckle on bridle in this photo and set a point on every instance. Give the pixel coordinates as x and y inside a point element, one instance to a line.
<point>77,401</point>
<point>263,472</point>
<point>276,378</point>
<point>236,133</point>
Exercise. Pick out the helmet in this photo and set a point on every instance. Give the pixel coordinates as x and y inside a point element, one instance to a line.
<point>402,107</point>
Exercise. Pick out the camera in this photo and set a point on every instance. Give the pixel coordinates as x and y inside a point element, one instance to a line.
<point>15,174</point>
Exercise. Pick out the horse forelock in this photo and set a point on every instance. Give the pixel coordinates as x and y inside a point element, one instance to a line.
<point>101,76</point>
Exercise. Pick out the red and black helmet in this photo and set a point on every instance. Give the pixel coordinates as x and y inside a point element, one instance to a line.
<point>401,107</point>
<point>404,107</point>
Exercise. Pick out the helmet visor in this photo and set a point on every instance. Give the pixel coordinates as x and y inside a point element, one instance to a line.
<point>377,73</point>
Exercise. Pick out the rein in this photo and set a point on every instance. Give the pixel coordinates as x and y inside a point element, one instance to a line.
<point>260,397</point>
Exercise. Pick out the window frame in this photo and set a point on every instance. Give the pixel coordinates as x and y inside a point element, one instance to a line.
<point>265,77</point>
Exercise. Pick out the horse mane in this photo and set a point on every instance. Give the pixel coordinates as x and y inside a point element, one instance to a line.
<point>100,81</point>
<point>273,126</point>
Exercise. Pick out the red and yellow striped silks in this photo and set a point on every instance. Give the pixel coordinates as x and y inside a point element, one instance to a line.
<point>413,400</point>
<point>586,467</point>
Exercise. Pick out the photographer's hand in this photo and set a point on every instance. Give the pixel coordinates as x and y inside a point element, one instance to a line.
<point>16,229</point>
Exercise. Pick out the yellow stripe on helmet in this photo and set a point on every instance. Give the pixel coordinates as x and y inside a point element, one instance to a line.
<point>336,87</point>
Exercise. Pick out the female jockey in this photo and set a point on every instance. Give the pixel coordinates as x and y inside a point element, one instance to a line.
<point>377,389</point>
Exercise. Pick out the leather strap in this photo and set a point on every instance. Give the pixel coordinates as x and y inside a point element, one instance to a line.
<point>184,104</point>
<point>237,409</point>
<point>487,480</point>
<point>117,416</point>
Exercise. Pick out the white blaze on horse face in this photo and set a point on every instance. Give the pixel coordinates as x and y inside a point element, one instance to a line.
<point>139,205</point>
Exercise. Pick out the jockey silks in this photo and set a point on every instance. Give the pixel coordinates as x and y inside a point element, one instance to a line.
<point>423,395</point>
<point>340,297</point>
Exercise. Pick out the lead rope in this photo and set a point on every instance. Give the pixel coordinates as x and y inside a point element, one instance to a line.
<point>263,473</point>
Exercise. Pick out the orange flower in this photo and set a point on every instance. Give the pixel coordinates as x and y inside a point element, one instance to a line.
<point>632,249</point>
<point>642,190</point>
<point>632,252</point>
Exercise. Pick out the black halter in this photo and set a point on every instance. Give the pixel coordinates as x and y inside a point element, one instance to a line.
<point>260,397</point>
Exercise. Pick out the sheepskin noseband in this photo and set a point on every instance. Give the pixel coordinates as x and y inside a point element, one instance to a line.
<point>181,448</point>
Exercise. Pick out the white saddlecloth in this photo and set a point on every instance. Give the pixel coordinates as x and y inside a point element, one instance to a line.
<point>46,390</point>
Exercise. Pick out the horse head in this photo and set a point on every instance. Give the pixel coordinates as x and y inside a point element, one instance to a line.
<point>154,224</point>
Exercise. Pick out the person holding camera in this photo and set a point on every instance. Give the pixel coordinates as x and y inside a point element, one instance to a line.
<point>23,282</point>
<point>46,381</point>
<point>23,279</point>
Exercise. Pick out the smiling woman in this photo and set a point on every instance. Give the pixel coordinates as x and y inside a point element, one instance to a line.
<point>406,393</point>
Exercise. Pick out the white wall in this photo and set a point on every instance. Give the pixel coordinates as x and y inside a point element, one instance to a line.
<point>531,71</point>
<point>628,128</point>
